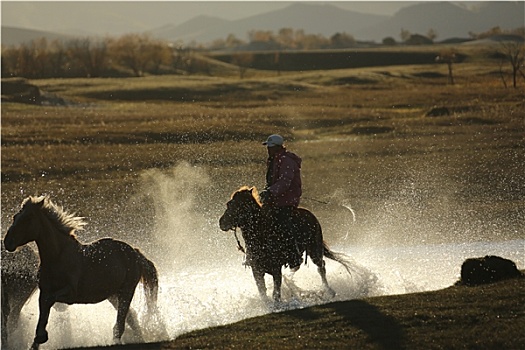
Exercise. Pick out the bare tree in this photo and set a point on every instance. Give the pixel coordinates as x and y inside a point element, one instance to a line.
<point>243,60</point>
<point>312,42</point>
<point>514,53</point>
<point>449,57</point>
<point>159,54</point>
<point>404,35</point>
<point>432,34</point>
<point>286,37</point>
<point>41,56</point>
<point>183,59</point>
<point>342,41</point>
<point>502,73</point>
<point>91,55</point>
<point>261,36</point>
<point>277,61</point>
<point>233,41</point>
<point>58,59</point>
<point>137,52</point>
<point>9,61</point>
<point>126,51</point>
<point>27,64</point>
<point>389,41</point>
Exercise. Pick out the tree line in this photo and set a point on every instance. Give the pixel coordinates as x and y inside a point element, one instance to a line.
<point>141,54</point>
<point>131,54</point>
<point>284,39</point>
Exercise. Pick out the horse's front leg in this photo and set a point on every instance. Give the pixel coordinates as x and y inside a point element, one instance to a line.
<point>45,302</point>
<point>259,281</point>
<point>277,282</point>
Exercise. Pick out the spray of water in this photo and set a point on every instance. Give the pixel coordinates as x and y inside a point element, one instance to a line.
<point>180,223</point>
<point>203,282</point>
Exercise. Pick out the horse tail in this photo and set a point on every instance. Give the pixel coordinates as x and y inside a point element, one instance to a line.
<point>341,258</point>
<point>150,281</point>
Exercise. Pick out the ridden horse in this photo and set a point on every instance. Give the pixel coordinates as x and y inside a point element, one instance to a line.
<point>76,273</point>
<point>265,253</point>
<point>19,282</point>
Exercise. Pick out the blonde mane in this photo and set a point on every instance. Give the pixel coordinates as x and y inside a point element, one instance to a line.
<point>253,190</point>
<point>67,223</point>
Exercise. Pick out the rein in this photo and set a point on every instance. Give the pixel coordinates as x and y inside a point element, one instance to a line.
<point>239,246</point>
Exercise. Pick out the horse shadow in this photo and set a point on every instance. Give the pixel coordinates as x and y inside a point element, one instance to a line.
<point>381,329</point>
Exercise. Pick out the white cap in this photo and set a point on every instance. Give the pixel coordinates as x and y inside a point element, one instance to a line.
<point>274,140</point>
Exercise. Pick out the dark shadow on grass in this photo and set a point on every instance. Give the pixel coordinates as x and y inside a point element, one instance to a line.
<point>381,329</point>
<point>371,130</point>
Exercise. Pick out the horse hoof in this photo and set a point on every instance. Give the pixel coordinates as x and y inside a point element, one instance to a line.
<point>40,339</point>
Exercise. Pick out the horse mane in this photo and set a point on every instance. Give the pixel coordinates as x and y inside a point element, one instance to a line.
<point>252,190</point>
<point>67,223</point>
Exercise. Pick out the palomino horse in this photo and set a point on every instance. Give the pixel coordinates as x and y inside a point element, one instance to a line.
<point>19,282</point>
<point>76,273</point>
<point>263,249</point>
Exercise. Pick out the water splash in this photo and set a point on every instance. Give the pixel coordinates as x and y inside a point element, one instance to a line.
<point>221,292</point>
<point>204,284</point>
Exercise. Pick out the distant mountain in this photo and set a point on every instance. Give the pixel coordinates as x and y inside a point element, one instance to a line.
<point>447,19</point>
<point>195,29</point>
<point>312,18</point>
<point>17,36</point>
<point>506,14</point>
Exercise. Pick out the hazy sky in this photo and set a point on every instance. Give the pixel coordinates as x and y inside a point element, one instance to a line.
<point>96,16</point>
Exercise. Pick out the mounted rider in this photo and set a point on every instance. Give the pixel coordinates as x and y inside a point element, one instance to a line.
<point>282,194</point>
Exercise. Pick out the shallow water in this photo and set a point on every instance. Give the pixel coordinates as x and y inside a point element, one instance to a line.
<point>220,290</point>
<point>203,282</point>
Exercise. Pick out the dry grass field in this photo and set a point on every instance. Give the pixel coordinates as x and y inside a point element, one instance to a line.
<point>366,140</point>
<point>363,135</point>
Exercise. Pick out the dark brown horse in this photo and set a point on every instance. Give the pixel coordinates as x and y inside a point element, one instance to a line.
<point>19,282</point>
<point>263,248</point>
<point>76,273</point>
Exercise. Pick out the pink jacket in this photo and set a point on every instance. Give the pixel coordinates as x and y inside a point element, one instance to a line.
<point>286,186</point>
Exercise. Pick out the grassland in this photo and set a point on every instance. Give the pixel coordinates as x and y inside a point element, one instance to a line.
<point>365,139</point>
<point>363,134</point>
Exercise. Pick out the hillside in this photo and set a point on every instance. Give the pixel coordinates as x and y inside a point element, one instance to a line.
<point>447,19</point>
<point>16,36</point>
<point>314,19</point>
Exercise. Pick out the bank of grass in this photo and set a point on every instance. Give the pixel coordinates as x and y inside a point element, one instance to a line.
<point>483,317</point>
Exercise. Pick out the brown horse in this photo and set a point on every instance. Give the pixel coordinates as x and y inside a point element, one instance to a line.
<point>19,282</point>
<point>76,273</point>
<point>263,247</point>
